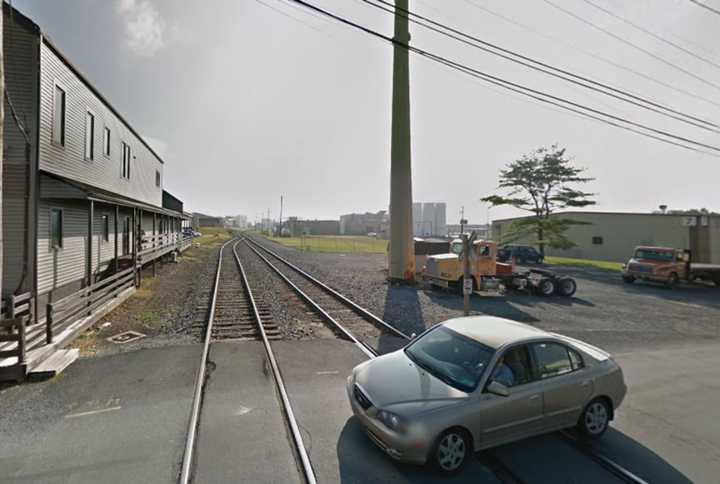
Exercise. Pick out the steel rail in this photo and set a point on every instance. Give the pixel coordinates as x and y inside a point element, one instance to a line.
<point>604,461</point>
<point>366,349</point>
<point>308,471</point>
<point>362,311</point>
<point>186,468</point>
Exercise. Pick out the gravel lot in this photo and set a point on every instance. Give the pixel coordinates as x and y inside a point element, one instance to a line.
<point>604,311</point>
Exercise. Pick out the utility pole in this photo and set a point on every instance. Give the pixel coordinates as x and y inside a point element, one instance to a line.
<point>401,257</point>
<point>468,242</point>
<point>462,220</point>
<point>281,207</point>
<point>2,123</point>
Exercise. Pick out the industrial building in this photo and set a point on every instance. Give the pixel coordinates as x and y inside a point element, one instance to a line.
<point>429,219</point>
<point>202,220</point>
<point>83,204</point>
<point>612,236</point>
<point>296,227</point>
<point>365,223</point>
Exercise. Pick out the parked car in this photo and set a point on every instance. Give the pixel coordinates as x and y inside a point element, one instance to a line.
<point>522,254</point>
<point>477,382</point>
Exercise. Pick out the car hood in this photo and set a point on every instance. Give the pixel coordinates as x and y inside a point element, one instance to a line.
<point>394,380</point>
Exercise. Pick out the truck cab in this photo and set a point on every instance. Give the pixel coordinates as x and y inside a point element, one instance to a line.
<point>658,264</point>
<point>446,270</point>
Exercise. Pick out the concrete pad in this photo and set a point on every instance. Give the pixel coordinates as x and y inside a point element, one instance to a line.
<point>242,436</point>
<point>669,424</point>
<point>119,418</point>
<point>315,372</point>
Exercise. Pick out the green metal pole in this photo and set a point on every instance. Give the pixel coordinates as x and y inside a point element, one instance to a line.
<point>401,260</point>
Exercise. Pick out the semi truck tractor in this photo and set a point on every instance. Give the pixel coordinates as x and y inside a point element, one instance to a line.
<point>446,271</point>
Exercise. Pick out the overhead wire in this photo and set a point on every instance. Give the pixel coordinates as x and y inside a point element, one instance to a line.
<point>651,33</point>
<point>544,67</point>
<point>706,6</point>
<point>588,53</point>
<point>631,44</point>
<point>526,91</point>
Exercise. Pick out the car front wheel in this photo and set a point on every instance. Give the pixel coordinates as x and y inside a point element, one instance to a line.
<point>595,419</point>
<point>451,451</point>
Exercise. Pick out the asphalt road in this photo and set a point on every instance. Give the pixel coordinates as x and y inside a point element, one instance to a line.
<point>122,418</point>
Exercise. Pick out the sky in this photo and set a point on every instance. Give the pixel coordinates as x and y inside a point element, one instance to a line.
<point>248,100</point>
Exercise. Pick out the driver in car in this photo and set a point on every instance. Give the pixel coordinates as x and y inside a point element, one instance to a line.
<point>504,374</point>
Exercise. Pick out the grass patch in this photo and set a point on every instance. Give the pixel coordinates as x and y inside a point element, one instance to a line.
<point>594,264</point>
<point>212,235</point>
<point>334,243</point>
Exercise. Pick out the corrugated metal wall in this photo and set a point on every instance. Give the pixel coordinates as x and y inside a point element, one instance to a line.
<point>69,161</point>
<point>20,45</point>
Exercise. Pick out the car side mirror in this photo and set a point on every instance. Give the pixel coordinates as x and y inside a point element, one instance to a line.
<point>497,388</point>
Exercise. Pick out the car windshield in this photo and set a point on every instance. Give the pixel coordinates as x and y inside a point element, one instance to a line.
<point>455,359</point>
<point>652,254</point>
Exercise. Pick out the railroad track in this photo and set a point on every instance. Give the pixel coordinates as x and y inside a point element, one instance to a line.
<point>335,307</point>
<point>343,315</point>
<point>234,315</point>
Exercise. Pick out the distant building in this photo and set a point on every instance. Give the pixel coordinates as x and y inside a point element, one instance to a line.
<point>202,220</point>
<point>482,231</point>
<point>611,236</point>
<point>297,227</point>
<point>365,223</point>
<point>429,219</point>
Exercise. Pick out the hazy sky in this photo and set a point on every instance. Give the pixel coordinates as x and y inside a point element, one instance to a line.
<point>245,103</point>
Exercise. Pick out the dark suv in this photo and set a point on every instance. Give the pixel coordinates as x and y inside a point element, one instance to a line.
<point>522,254</point>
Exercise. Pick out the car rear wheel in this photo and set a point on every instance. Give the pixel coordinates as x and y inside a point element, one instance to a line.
<point>566,287</point>
<point>595,419</point>
<point>451,451</point>
<point>546,287</point>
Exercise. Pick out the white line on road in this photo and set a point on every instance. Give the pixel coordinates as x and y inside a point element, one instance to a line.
<point>334,372</point>
<point>92,412</point>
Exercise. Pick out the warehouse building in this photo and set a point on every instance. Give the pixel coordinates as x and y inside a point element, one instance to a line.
<point>365,223</point>
<point>83,205</point>
<point>429,219</point>
<point>612,236</point>
<point>296,227</point>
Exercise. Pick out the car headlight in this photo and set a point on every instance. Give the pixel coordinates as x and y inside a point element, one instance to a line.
<point>390,420</point>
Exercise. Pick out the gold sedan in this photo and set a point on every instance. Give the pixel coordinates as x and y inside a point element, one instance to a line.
<point>476,382</point>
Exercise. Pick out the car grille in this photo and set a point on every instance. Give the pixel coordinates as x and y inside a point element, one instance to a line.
<point>640,268</point>
<point>364,401</point>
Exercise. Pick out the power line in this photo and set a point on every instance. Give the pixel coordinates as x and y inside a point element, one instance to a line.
<point>634,46</point>
<point>652,34</point>
<point>546,68</point>
<point>291,17</point>
<point>591,54</point>
<point>708,7</point>
<point>526,91</point>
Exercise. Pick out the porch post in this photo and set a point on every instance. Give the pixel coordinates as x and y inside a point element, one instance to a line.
<point>91,217</point>
<point>155,238</point>
<point>134,235</point>
<point>117,217</point>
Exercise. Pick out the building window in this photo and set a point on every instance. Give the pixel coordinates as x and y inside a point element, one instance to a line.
<point>157,178</point>
<point>58,126</point>
<point>597,240</point>
<point>125,169</point>
<point>106,228</point>
<point>56,228</point>
<point>89,135</point>
<point>106,141</point>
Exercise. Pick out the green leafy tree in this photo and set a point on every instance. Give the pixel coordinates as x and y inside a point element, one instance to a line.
<point>542,183</point>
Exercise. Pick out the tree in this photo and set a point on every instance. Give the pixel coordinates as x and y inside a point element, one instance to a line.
<point>542,183</point>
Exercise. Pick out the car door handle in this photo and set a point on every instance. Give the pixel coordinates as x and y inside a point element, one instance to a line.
<point>535,397</point>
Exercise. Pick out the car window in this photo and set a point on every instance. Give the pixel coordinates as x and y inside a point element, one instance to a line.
<point>455,359</point>
<point>553,359</point>
<point>514,367</point>
<point>575,359</point>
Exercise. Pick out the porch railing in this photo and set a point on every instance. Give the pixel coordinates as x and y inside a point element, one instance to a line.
<point>16,311</point>
<point>85,301</point>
